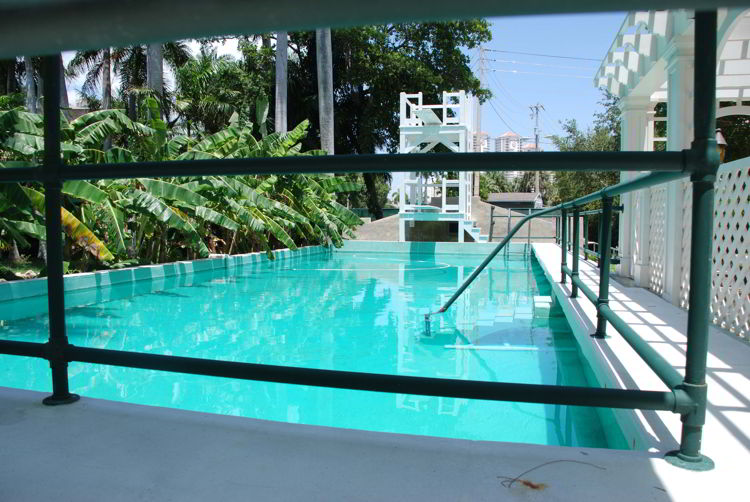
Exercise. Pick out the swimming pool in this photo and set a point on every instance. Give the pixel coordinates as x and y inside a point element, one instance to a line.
<point>351,311</point>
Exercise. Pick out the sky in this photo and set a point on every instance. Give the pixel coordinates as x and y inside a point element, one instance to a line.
<point>561,90</point>
<point>566,90</point>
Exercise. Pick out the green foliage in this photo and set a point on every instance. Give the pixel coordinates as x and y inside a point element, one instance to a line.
<point>493,182</point>
<point>605,136</point>
<point>152,220</point>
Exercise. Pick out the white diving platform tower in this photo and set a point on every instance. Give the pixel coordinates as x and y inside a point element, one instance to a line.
<point>429,209</point>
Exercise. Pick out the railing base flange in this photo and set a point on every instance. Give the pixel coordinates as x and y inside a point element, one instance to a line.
<point>57,401</point>
<point>599,336</point>
<point>701,463</point>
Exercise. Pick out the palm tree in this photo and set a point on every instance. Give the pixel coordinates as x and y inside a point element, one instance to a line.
<point>11,71</point>
<point>280,118</point>
<point>31,94</point>
<point>324,62</point>
<point>155,69</point>
<point>209,91</point>
<point>128,64</point>
<point>97,65</point>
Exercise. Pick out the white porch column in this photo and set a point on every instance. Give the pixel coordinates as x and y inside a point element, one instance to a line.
<point>633,131</point>
<point>680,72</point>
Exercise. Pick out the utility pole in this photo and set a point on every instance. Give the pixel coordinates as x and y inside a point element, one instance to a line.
<point>477,146</point>
<point>535,115</point>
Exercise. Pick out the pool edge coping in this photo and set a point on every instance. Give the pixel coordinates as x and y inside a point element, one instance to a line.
<point>27,288</point>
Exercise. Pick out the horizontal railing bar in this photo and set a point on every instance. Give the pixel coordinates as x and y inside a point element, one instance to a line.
<point>581,286</point>
<point>599,211</point>
<point>371,163</point>
<point>646,181</point>
<point>493,391</point>
<point>26,26</point>
<point>373,382</point>
<point>670,376</point>
<point>16,348</point>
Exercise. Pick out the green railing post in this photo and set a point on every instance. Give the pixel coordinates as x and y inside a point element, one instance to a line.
<point>492,223</point>
<point>58,340</point>
<point>557,230</point>
<point>576,244</point>
<point>605,239</point>
<point>699,315</point>
<point>563,244</point>
<point>528,234</point>
<point>585,236</point>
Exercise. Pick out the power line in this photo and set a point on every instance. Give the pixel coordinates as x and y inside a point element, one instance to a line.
<point>528,63</point>
<point>544,55</point>
<point>501,117</point>
<point>539,73</point>
<point>508,94</point>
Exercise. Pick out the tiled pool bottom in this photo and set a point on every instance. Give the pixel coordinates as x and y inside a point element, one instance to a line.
<point>354,311</point>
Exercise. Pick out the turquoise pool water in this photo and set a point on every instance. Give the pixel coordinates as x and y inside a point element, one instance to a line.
<point>341,310</point>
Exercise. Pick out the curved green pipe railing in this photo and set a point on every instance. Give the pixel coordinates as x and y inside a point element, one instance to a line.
<point>645,181</point>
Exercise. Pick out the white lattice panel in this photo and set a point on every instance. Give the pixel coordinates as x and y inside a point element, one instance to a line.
<point>730,285</point>
<point>657,238</point>
<point>730,294</point>
<point>687,227</point>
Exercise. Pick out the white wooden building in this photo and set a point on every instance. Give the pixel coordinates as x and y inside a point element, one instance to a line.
<point>651,61</point>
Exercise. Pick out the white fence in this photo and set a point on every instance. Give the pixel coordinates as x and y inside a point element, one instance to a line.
<point>730,288</point>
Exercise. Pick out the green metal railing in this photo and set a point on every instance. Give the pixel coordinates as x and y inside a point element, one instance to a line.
<point>686,396</point>
<point>584,216</point>
<point>509,217</point>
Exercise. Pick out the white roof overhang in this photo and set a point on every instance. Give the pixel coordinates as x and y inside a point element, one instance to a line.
<point>636,62</point>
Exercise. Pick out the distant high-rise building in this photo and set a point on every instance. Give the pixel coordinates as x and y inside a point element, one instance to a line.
<point>508,142</point>
<point>481,142</point>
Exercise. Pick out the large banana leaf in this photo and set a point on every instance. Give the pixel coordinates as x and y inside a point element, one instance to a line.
<point>267,184</point>
<point>29,228</point>
<point>170,191</point>
<point>118,117</point>
<point>84,237</point>
<point>115,221</point>
<point>25,144</point>
<point>95,133</point>
<point>275,229</point>
<point>197,155</point>
<point>84,190</point>
<point>347,217</point>
<point>17,196</point>
<point>218,143</point>
<point>333,184</point>
<point>217,218</point>
<point>14,232</point>
<point>177,143</point>
<point>245,217</point>
<point>149,204</point>
<point>18,120</point>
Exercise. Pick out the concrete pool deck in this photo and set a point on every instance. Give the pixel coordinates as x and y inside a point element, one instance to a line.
<point>105,450</point>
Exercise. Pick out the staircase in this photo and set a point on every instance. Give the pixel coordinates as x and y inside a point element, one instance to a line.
<point>472,230</point>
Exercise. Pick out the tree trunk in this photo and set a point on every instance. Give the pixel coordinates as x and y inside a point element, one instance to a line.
<point>155,70</point>
<point>42,253</point>
<point>31,100</point>
<point>106,79</point>
<point>280,119</point>
<point>372,195</point>
<point>15,256</point>
<point>107,89</point>
<point>64,103</point>
<point>325,88</point>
